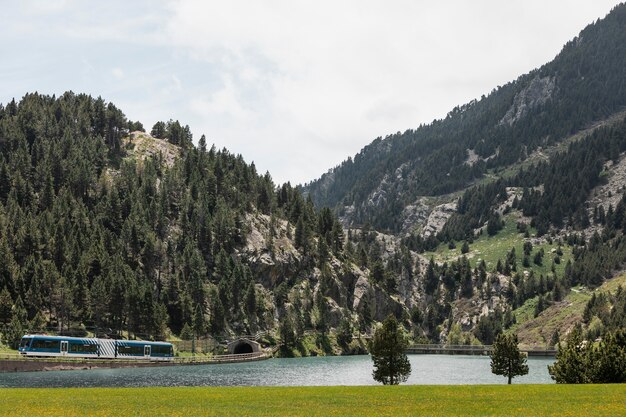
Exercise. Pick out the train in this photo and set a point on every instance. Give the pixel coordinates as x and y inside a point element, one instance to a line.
<point>79,347</point>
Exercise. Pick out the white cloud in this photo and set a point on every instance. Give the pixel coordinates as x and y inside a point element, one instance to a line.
<point>45,6</point>
<point>297,86</point>
<point>117,73</point>
<point>222,103</point>
<point>171,86</point>
<point>338,74</point>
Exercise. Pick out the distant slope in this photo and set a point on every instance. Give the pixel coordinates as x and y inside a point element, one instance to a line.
<point>585,83</point>
<point>561,316</point>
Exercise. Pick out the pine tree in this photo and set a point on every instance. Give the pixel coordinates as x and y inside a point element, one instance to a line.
<point>251,302</point>
<point>606,363</point>
<point>391,365</point>
<point>506,359</point>
<point>217,312</point>
<point>377,273</point>
<point>6,305</point>
<point>430,279</point>
<point>344,334</point>
<point>365,314</point>
<point>570,366</point>
<point>287,335</point>
<point>187,332</point>
<point>321,304</point>
<point>556,337</point>
<point>18,325</point>
<point>465,248</point>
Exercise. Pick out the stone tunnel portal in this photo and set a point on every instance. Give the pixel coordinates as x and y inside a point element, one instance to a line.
<point>243,347</point>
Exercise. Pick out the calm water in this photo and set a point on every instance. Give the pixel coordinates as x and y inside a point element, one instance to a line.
<point>338,370</point>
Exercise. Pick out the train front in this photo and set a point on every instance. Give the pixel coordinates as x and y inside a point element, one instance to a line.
<point>25,344</point>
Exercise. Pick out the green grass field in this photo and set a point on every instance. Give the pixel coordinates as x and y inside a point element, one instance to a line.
<point>513,400</point>
<point>492,248</point>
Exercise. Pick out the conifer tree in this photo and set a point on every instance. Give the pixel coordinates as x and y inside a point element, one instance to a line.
<point>6,305</point>
<point>391,365</point>
<point>251,302</point>
<point>506,359</point>
<point>570,366</point>
<point>287,335</point>
<point>606,363</point>
<point>18,325</point>
<point>344,334</point>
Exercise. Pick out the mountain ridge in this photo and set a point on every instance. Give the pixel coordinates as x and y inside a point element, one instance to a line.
<point>498,129</point>
<point>512,200</point>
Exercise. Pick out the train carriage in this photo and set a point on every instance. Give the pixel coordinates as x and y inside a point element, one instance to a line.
<point>78,347</point>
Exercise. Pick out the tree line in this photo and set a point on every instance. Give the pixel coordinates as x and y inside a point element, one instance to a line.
<point>90,238</point>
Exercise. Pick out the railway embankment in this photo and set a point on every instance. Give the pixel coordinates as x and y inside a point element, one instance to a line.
<point>17,363</point>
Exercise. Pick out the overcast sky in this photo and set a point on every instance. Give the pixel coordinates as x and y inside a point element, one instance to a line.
<point>295,86</point>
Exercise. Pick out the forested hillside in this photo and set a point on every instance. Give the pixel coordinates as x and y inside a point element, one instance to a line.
<point>488,220</point>
<point>95,235</point>
<point>524,187</point>
<point>585,83</point>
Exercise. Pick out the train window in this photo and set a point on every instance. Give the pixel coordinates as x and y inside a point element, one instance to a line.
<point>25,342</point>
<point>83,348</point>
<point>45,344</point>
<point>161,350</point>
<point>130,350</point>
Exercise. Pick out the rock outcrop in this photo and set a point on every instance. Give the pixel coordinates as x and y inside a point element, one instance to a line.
<point>536,93</point>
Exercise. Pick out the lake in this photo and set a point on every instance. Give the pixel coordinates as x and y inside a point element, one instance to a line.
<point>329,370</point>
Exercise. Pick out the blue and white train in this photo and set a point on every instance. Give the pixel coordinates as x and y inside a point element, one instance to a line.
<point>79,347</point>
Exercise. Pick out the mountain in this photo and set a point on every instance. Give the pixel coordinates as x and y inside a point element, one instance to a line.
<point>508,195</point>
<point>392,182</point>
<point>489,220</point>
<point>107,229</point>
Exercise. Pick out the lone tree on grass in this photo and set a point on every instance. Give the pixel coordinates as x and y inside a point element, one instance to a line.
<point>391,365</point>
<point>506,359</point>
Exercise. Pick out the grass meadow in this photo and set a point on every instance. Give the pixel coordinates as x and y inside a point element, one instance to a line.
<point>492,248</point>
<point>446,400</point>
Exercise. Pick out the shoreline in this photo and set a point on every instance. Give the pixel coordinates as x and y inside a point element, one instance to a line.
<point>23,364</point>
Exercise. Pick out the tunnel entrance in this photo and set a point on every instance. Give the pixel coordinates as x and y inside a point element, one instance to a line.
<point>243,347</point>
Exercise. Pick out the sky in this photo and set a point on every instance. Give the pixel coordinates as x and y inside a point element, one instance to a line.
<point>295,86</point>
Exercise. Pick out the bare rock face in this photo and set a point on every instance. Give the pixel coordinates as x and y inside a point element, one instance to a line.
<point>410,290</point>
<point>472,157</point>
<point>378,197</point>
<point>438,218</point>
<point>611,192</point>
<point>335,313</point>
<point>385,305</point>
<point>338,291</point>
<point>379,302</point>
<point>511,193</point>
<point>142,145</point>
<point>361,292</point>
<point>426,216</point>
<point>415,215</point>
<point>346,215</point>
<point>348,277</point>
<point>273,258</point>
<point>538,92</point>
<point>270,252</point>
